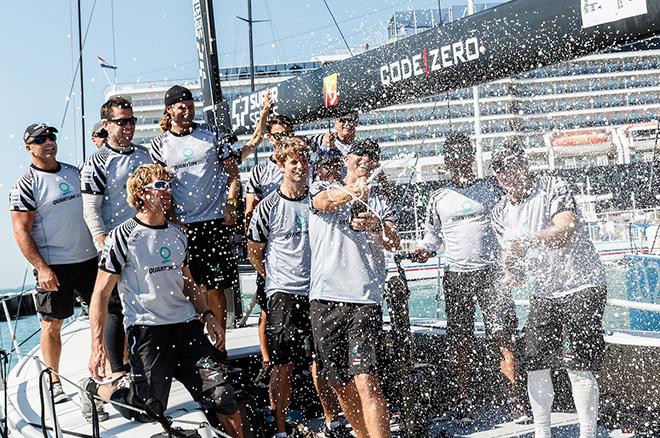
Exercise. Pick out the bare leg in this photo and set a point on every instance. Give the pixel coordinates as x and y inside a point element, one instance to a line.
<point>376,415</point>
<point>233,424</point>
<point>349,399</point>
<point>508,365</point>
<point>280,393</point>
<point>218,303</point>
<point>328,398</point>
<point>263,340</point>
<point>51,345</point>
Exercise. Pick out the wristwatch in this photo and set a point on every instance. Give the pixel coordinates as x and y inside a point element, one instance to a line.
<point>233,202</point>
<point>206,313</point>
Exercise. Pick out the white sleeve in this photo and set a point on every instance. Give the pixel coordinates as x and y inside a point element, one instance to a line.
<point>92,214</point>
<point>432,229</point>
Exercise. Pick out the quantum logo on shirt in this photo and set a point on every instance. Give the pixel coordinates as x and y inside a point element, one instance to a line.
<point>301,222</point>
<point>65,188</point>
<point>165,253</point>
<point>187,154</point>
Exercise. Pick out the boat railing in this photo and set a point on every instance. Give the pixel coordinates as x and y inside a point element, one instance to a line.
<point>4,300</point>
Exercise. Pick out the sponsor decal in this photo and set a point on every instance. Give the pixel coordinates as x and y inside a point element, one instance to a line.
<point>245,111</point>
<point>330,92</point>
<point>429,61</point>
<point>165,253</point>
<point>301,221</point>
<point>187,154</point>
<point>65,188</point>
<point>595,12</point>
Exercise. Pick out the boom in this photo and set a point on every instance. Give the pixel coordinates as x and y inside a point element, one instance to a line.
<point>512,38</point>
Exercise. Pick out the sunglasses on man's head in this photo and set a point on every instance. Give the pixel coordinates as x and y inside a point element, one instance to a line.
<point>125,121</point>
<point>41,139</point>
<point>348,121</point>
<point>158,185</point>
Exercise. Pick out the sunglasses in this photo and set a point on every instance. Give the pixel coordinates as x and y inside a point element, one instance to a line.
<point>365,153</point>
<point>348,121</point>
<point>281,135</point>
<point>158,185</point>
<point>124,121</point>
<point>41,139</point>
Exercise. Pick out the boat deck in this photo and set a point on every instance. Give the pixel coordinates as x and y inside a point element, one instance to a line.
<point>24,401</point>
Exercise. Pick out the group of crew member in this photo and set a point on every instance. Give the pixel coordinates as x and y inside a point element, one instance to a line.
<point>317,226</point>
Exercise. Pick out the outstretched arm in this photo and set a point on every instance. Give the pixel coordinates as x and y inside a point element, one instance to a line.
<point>259,130</point>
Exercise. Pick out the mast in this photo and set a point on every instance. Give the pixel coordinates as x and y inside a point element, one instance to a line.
<point>471,9</point>
<point>82,87</point>
<point>213,106</point>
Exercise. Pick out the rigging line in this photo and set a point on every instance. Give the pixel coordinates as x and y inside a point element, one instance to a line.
<point>114,48</point>
<point>73,74</point>
<point>272,30</point>
<point>73,80</point>
<point>20,301</point>
<point>338,28</point>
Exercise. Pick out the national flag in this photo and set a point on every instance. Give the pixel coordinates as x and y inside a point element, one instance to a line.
<point>105,64</point>
<point>330,92</point>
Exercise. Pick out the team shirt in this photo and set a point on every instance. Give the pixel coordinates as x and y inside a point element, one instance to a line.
<point>199,189</point>
<point>58,229</point>
<point>553,273</point>
<point>459,217</point>
<point>316,142</point>
<point>282,224</point>
<point>265,178</point>
<point>149,261</point>
<point>347,266</point>
<point>106,173</point>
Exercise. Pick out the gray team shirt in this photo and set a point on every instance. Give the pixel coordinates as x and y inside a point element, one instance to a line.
<point>316,142</point>
<point>282,224</point>
<point>553,273</point>
<point>265,178</point>
<point>106,172</point>
<point>347,266</point>
<point>58,230</point>
<point>199,189</point>
<point>459,217</point>
<point>149,261</point>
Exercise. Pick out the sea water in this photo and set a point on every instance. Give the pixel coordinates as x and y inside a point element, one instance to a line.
<point>426,301</point>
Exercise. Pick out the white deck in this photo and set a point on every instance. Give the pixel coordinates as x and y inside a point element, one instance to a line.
<point>25,405</point>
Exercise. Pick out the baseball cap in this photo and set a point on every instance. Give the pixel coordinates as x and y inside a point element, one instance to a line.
<point>177,93</point>
<point>509,152</point>
<point>354,117</point>
<point>99,131</point>
<point>36,129</point>
<point>326,156</point>
<point>367,147</point>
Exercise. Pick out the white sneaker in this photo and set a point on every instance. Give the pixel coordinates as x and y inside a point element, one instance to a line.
<point>59,396</point>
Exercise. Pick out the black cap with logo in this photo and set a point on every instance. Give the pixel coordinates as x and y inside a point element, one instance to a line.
<point>509,152</point>
<point>176,94</point>
<point>366,147</point>
<point>36,129</point>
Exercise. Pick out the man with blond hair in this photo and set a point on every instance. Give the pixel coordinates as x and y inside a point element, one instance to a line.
<point>164,310</point>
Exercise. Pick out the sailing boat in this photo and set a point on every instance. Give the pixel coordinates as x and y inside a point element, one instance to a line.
<point>630,353</point>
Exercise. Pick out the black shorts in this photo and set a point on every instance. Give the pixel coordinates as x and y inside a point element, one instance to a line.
<point>74,278</point>
<point>262,299</point>
<point>289,329</point>
<point>566,332</point>
<point>162,352</point>
<point>347,339</point>
<point>210,258</point>
<point>463,290</point>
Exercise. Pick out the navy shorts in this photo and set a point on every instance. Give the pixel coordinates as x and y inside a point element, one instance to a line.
<point>289,329</point>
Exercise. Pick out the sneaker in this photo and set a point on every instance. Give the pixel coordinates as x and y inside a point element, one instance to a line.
<point>463,412</point>
<point>123,381</point>
<point>59,396</point>
<point>518,412</point>
<point>263,378</point>
<point>340,431</point>
<point>86,403</point>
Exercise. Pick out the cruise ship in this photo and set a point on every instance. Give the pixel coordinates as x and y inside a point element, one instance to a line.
<point>593,111</point>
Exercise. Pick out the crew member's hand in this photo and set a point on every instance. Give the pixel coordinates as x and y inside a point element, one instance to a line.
<point>216,332</point>
<point>328,141</point>
<point>100,241</point>
<point>231,214</point>
<point>96,364</point>
<point>366,222</point>
<point>360,189</point>
<point>47,280</point>
<point>517,248</point>
<point>421,255</point>
<point>267,102</point>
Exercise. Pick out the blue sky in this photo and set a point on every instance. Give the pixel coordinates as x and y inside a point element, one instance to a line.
<point>154,39</point>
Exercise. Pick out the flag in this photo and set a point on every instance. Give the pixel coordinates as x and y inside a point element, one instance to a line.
<point>105,64</point>
<point>330,92</point>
